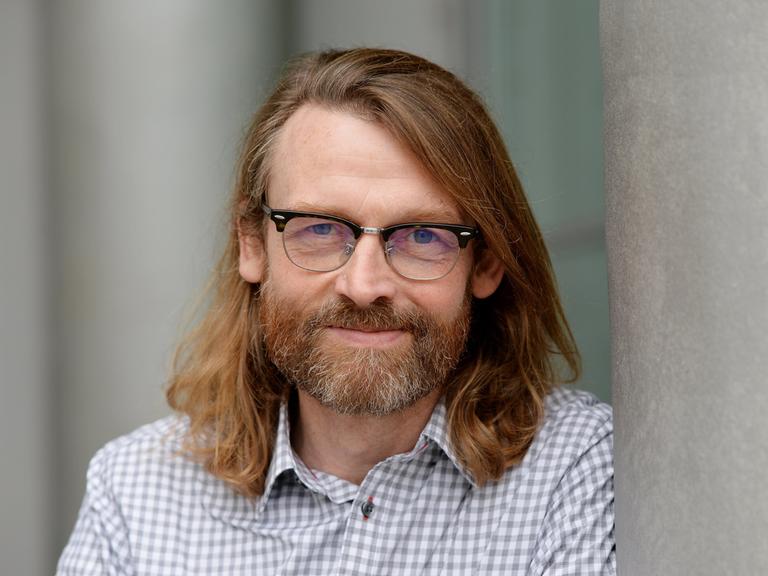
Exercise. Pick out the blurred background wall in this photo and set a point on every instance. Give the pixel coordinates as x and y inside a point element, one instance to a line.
<point>119,127</point>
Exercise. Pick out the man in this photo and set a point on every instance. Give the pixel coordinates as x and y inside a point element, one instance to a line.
<point>374,387</point>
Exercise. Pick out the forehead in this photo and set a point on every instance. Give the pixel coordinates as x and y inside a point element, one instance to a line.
<point>333,161</point>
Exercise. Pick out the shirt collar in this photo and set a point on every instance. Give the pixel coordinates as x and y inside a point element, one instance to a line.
<point>224,503</point>
<point>285,459</point>
<point>436,431</point>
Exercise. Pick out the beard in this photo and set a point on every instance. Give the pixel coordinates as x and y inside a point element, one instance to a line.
<point>356,380</point>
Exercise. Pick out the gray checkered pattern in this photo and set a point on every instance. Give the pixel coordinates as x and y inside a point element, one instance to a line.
<point>148,511</point>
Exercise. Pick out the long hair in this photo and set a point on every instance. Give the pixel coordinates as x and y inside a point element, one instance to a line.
<point>224,382</point>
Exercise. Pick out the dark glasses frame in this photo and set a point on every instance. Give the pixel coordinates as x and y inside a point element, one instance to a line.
<point>281,217</point>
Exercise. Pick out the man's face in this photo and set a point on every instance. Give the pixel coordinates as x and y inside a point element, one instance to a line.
<point>360,339</point>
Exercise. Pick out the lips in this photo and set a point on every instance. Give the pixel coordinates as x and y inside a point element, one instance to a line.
<point>369,328</point>
<point>366,336</point>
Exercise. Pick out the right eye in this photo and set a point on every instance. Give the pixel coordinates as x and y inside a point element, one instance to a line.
<point>316,231</point>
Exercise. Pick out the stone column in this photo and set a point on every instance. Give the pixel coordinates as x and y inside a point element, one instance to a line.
<point>148,105</point>
<point>686,164</point>
<point>25,430</point>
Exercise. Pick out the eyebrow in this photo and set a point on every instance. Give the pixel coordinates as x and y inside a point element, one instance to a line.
<point>419,214</point>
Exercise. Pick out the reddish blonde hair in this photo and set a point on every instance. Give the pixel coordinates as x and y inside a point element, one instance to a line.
<point>222,379</point>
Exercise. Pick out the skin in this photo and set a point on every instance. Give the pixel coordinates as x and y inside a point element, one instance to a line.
<point>336,163</point>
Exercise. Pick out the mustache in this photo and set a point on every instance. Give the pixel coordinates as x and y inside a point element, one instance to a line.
<point>379,315</point>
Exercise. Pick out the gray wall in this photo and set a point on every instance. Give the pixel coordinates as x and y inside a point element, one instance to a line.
<point>686,156</point>
<point>25,431</point>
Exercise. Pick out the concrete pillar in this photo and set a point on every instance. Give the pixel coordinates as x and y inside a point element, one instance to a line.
<point>25,452</point>
<point>686,160</point>
<point>149,100</point>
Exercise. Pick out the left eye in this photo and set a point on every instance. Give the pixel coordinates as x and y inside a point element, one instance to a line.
<point>423,236</point>
<point>321,229</point>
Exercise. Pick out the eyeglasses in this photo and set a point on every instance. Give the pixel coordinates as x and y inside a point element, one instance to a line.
<point>415,250</point>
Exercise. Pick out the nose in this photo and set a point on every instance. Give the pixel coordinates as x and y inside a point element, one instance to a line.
<point>367,276</point>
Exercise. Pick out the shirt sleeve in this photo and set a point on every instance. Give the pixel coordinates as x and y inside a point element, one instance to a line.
<point>99,543</point>
<point>578,531</point>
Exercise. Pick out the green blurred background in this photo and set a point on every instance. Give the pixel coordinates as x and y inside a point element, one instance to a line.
<point>544,85</point>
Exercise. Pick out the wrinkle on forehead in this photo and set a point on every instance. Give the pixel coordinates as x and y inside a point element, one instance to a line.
<point>326,155</point>
<point>320,137</point>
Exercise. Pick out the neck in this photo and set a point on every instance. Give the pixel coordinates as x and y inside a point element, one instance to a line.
<point>349,446</point>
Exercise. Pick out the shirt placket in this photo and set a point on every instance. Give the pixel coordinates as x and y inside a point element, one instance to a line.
<point>375,519</point>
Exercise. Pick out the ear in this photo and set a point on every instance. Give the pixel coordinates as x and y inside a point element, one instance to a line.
<point>486,275</point>
<point>252,257</point>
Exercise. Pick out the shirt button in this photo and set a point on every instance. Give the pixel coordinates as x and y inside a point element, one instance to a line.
<point>367,507</point>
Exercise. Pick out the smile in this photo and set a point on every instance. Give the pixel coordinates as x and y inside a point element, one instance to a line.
<point>367,337</point>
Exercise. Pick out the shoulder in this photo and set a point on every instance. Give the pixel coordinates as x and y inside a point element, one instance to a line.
<point>553,512</point>
<point>160,438</point>
<point>563,489</point>
<point>573,458</point>
<point>564,402</point>
<point>138,486</point>
<point>574,421</point>
<point>575,438</point>
<point>142,461</point>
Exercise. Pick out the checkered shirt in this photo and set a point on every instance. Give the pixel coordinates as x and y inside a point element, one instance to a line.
<point>148,511</point>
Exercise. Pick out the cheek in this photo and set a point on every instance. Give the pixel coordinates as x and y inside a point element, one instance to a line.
<point>288,282</point>
<point>444,300</point>
<point>277,262</point>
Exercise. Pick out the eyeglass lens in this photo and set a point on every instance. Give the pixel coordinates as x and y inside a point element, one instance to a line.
<point>323,245</point>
